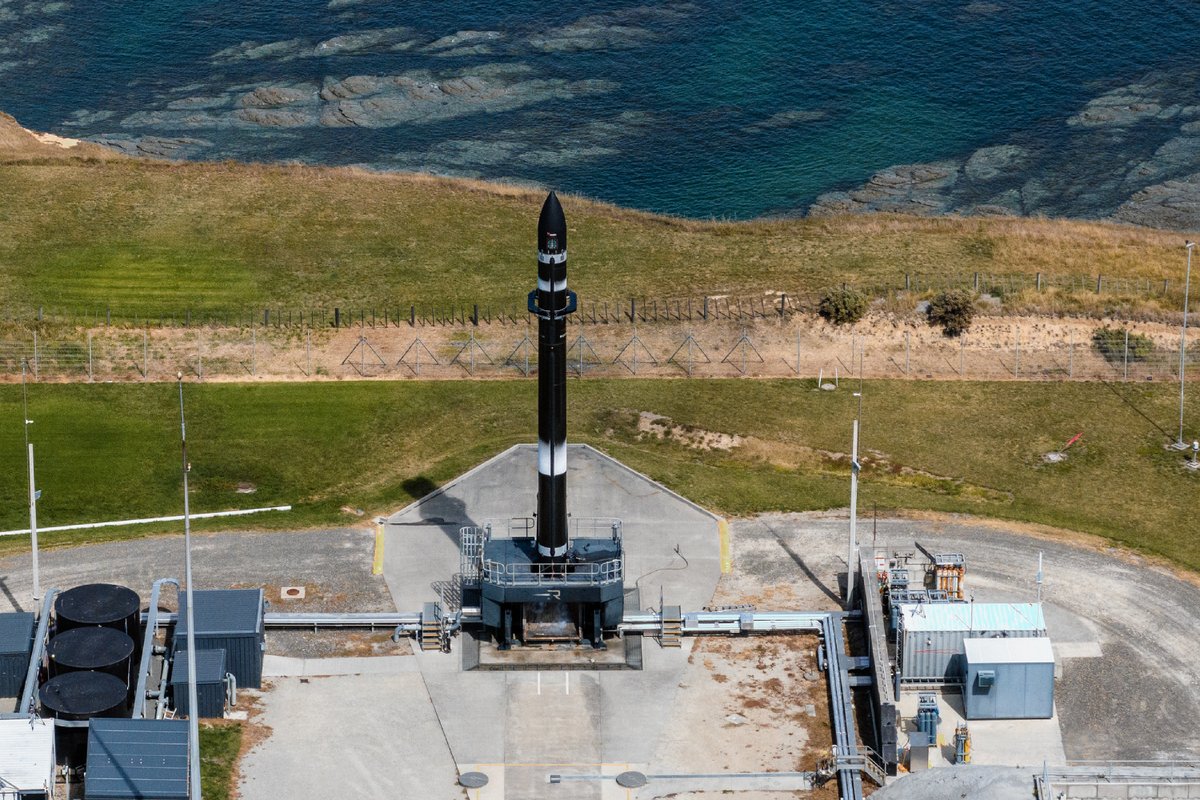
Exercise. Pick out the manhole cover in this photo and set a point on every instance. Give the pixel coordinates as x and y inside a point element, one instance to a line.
<point>473,780</point>
<point>291,593</point>
<point>631,780</point>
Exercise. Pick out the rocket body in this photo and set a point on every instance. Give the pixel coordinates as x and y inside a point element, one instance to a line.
<point>552,301</point>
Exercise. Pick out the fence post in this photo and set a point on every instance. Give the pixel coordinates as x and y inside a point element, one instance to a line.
<point>704,311</point>
<point>907,282</point>
<point>1017,361</point>
<point>200,356</point>
<point>145,354</point>
<point>962,359</point>
<point>253,350</point>
<point>1039,281</point>
<point>1099,283</point>
<point>1126,375</point>
<point>91,371</point>
<point>907,368</point>
<point>308,354</point>
<point>1071,355</point>
<point>108,316</point>
<point>337,318</point>
<point>632,309</point>
<point>975,286</point>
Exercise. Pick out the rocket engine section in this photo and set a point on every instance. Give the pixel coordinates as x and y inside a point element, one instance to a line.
<point>550,587</point>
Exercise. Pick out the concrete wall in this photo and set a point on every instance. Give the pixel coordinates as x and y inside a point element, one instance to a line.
<point>1127,790</point>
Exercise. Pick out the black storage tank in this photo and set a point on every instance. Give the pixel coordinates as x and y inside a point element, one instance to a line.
<point>78,697</point>
<point>99,605</point>
<point>96,649</point>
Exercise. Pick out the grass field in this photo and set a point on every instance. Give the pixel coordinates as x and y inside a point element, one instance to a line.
<point>219,746</point>
<point>152,238</point>
<point>112,452</point>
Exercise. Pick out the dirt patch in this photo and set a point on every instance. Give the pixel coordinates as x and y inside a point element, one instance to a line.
<point>662,427</point>
<point>751,704</point>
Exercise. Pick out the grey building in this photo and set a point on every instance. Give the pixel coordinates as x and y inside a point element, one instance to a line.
<point>1009,679</point>
<point>930,636</point>
<point>229,620</point>
<point>210,682</point>
<point>16,642</point>
<point>135,759</point>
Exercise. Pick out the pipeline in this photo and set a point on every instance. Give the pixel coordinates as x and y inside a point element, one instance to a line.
<point>139,694</point>
<point>25,707</point>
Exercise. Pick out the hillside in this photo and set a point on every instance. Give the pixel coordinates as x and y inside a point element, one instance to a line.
<point>88,229</point>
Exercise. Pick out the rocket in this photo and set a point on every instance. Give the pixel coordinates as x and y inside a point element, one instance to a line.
<point>551,302</point>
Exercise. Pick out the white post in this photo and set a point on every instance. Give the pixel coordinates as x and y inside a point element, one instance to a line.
<point>1187,286</point>
<point>852,555</point>
<point>33,495</point>
<point>193,703</point>
<point>1039,578</point>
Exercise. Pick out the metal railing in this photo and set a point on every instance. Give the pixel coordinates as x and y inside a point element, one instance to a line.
<point>593,574</point>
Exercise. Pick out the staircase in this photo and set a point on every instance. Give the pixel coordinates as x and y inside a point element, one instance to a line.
<point>431,627</point>
<point>671,634</point>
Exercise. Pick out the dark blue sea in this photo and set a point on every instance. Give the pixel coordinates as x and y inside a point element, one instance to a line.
<point>703,109</point>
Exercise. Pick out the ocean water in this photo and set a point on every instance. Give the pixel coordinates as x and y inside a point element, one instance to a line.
<point>703,109</point>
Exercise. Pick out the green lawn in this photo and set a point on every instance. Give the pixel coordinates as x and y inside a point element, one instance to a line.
<point>148,239</point>
<point>219,746</point>
<point>112,451</point>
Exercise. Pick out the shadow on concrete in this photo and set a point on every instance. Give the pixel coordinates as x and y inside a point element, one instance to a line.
<point>799,562</point>
<point>9,595</point>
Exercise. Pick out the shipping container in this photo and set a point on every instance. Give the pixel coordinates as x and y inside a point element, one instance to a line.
<point>929,637</point>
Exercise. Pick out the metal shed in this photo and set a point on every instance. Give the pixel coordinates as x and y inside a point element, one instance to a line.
<point>27,757</point>
<point>16,643</point>
<point>210,682</point>
<point>930,636</point>
<point>229,620</point>
<point>1011,679</point>
<point>137,759</point>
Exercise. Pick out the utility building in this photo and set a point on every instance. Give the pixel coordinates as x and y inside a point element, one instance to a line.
<point>131,759</point>
<point>26,758</point>
<point>229,620</point>
<point>16,641</point>
<point>1008,679</point>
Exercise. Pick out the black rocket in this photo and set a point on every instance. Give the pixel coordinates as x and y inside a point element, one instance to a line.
<point>552,301</point>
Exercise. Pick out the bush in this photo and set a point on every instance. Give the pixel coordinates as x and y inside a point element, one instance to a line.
<point>953,311</point>
<point>1111,344</point>
<point>842,306</point>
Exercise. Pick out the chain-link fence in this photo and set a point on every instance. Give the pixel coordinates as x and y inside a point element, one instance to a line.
<point>903,287</point>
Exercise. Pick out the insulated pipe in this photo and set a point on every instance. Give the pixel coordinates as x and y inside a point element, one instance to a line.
<point>551,302</point>
<point>139,695</point>
<point>35,657</point>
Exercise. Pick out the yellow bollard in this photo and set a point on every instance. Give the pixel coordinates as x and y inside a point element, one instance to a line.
<point>377,563</point>
<point>726,558</point>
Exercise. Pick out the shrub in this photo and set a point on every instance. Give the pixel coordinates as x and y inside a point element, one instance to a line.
<point>1111,344</point>
<point>953,310</point>
<point>842,306</point>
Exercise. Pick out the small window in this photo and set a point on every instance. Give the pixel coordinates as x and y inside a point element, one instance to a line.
<point>986,679</point>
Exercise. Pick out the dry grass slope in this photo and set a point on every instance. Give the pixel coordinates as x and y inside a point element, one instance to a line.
<point>88,229</point>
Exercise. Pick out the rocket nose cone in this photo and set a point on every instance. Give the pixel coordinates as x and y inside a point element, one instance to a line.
<point>552,226</point>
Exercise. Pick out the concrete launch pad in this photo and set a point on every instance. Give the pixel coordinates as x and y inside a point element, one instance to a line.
<point>520,726</point>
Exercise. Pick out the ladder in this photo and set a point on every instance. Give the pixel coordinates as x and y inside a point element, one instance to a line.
<point>671,634</point>
<point>431,627</point>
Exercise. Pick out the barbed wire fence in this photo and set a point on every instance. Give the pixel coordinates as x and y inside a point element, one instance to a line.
<point>996,349</point>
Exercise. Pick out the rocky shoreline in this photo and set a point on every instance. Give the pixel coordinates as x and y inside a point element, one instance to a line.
<point>1129,155</point>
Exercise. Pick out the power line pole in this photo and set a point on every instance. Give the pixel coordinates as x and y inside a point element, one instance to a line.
<point>193,704</point>
<point>34,494</point>
<point>1187,285</point>
<point>852,553</point>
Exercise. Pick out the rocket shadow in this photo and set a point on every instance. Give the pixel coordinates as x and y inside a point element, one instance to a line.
<point>448,514</point>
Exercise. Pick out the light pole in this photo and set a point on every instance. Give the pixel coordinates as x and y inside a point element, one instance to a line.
<point>1187,286</point>
<point>193,705</point>
<point>34,494</point>
<point>852,552</point>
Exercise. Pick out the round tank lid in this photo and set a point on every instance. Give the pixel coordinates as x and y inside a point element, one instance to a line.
<point>89,648</point>
<point>82,694</point>
<point>473,780</point>
<point>97,603</point>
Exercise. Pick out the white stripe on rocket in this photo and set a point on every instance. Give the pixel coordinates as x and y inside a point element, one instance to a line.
<point>552,551</point>
<point>545,285</point>
<point>560,459</point>
<point>552,258</point>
